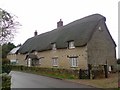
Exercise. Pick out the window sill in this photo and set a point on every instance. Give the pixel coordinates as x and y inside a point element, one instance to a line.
<point>54,49</point>
<point>74,66</point>
<point>55,65</point>
<point>71,48</point>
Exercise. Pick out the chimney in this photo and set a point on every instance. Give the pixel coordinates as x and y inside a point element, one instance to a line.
<point>35,33</point>
<point>60,23</point>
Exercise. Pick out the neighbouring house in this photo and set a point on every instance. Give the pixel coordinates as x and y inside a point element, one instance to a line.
<point>12,56</point>
<point>77,45</point>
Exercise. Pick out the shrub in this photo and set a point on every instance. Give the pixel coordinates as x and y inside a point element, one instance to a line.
<point>55,72</point>
<point>6,68</point>
<point>5,61</point>
<point>6,81</point>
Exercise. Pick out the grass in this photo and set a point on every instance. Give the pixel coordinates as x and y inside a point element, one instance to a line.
<point>51,72</point>
<point>53,75</point>
<point>110,82</point>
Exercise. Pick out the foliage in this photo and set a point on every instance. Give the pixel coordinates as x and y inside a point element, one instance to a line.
<point>118,61</point>
<point>8,26</point>
<point>0,65</point>
<point>5,61</point>
<point>6,68</point>
<point>6,81</point>
<point>6,48</point>
<point>52,72</point>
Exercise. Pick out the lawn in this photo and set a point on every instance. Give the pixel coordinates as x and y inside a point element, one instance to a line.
<point>110,82</point>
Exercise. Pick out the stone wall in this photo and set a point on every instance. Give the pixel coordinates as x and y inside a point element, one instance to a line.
<point>63,57</point>
<point>101,48</point>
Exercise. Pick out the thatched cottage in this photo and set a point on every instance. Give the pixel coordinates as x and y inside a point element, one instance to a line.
<point>75,45</point>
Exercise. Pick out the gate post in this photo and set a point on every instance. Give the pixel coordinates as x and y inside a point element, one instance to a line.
<point>89,68</point>
<point>106,71</point>
<point>80,74</point>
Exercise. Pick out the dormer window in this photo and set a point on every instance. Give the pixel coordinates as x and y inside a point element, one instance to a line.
<point>100,28</point>
<point>54,46</point>
<point>71,44</point>
<point>35,52</point>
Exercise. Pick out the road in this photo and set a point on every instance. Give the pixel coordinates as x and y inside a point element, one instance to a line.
<point>26,80</point>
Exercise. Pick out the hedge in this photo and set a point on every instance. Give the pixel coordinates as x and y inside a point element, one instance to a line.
<point>6,68</point>
<point>6,81</point>
<point>62,73</point>
<point>55,72</point>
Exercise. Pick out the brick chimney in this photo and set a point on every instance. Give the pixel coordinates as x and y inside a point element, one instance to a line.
<point>35,33</point>
<point>60,23</point>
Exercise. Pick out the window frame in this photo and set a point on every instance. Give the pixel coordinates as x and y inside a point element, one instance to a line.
<point>40,59</point>
<point>74,61</point>
<point>55,62</point>
<point>54,46</point>
<point>71,44</point>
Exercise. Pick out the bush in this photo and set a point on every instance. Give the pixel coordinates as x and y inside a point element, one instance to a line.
<point>53,72</point>
<point>118,61</point>
<point>5,61</point>
<point>6,68</point>
<point>6,81</point>
<point>0,65</point>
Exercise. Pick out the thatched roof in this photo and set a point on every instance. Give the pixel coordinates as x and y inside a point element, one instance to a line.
<point>32,56</point>
<point>14,50</point>
<point>80,31</point>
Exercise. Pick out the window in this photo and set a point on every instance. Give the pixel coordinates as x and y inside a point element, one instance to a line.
<point>40,61</point>
<point>74,61</point>
<point>100,28</point>
<point>55,61</point>
<point>71,45</point>
<point>35,52</point>
<point>16,61</point>
<point>29,62</point>
<point>54,46</point>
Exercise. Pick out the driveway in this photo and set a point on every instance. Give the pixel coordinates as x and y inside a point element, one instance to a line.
<point>26,80</point>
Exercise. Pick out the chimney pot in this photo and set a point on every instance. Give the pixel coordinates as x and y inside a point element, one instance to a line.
<point>60,23</point>
<point>35,33</point>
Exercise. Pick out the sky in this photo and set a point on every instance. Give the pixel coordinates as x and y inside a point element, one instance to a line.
<point>43,15</point>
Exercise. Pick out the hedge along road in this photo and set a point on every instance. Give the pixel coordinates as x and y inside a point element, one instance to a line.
<point>27,80</point>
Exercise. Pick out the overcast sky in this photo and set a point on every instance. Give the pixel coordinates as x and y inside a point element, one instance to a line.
<point>43,15</point>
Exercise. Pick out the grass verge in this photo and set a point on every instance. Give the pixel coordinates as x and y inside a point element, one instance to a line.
<point>110,82</point>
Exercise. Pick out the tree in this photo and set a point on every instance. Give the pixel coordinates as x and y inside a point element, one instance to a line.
<point>6,48</point>
<point>8,26</point>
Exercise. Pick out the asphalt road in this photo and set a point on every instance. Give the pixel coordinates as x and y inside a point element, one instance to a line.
<point>26,80</point>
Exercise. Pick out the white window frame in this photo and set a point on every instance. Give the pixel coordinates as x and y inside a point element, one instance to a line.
<point>35,52</point>
<point>40,61</point>
<point>74,61</point>
<point>55,61</point>
<point>54,46</point>
<point>29,62</point>
<point>71,45</point>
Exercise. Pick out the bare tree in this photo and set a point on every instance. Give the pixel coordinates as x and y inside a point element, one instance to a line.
<point>8,26</point>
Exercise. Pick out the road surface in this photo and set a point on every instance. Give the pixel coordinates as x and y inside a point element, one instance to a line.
<point>26,80</point>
